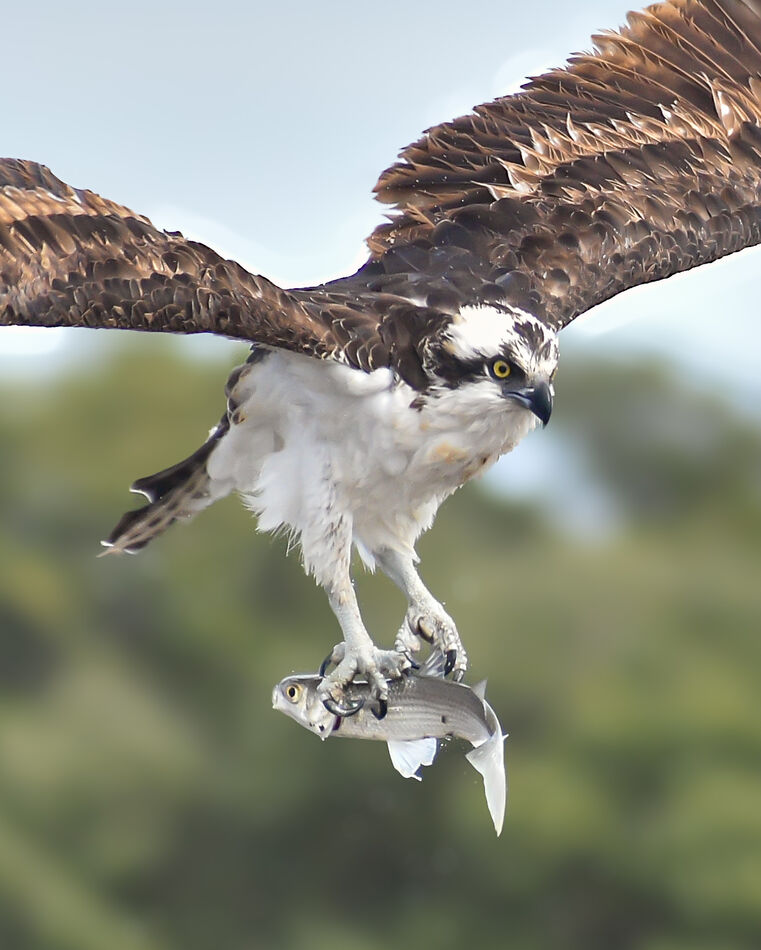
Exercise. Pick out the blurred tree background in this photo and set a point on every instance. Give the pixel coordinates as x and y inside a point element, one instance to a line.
<point>151,800</point>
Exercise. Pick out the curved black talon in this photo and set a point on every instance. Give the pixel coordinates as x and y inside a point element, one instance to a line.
<point>343,711</point>
<point>413,664</point>
<point>380,712</point>
<point>449,661</point>
<point>325,664</point>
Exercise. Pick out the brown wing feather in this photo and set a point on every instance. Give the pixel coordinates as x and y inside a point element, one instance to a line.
<point>634,162</point>
<point>72,258</point>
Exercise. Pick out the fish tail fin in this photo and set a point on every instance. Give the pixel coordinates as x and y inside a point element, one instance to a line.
<point>488,758</point>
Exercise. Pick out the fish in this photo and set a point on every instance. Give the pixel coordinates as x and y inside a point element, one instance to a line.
<point>422,708</point>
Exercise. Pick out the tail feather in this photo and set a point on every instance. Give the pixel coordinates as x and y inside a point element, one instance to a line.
<point>180,491</point>
<point>488,758</point>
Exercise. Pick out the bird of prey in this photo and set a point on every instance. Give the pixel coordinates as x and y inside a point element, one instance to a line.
<point>368,400</point>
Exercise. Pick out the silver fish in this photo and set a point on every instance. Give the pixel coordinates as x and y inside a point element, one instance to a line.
<point>423,707</point>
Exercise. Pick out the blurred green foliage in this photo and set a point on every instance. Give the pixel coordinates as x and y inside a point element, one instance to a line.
<point>151,800</point>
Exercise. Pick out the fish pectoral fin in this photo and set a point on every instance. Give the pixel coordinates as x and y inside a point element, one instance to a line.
<point>409,756</point>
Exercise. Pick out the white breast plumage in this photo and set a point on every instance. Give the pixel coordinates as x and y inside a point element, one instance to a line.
<point>301,424</point>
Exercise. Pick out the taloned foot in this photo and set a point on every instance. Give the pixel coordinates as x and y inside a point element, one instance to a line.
<point>440,631</point>
<point>372,666</point>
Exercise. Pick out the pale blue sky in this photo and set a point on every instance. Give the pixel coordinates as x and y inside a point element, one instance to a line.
<point>261,128</point>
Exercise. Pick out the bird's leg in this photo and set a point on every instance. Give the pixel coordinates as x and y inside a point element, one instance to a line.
<point>425,616</point>
<point>357,656</point>
<point>326,539</point>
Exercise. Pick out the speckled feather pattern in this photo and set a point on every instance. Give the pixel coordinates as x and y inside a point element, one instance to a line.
<point>634,162</point>
<point>631,163</point>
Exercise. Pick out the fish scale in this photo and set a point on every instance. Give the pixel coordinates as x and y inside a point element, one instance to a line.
<point>418,707</point>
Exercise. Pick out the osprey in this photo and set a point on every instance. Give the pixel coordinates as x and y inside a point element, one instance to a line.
<point>366,401</point>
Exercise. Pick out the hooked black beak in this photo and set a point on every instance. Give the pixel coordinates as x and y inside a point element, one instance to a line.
<point>537,398</point>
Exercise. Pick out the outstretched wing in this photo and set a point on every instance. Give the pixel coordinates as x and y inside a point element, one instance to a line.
<point>71,258</point>
<point>634,162</point>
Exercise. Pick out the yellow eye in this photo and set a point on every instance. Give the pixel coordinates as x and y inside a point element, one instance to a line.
<point>500,369</point>
<point>293,692</point>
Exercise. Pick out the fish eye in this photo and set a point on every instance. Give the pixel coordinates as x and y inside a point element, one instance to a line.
<point>500,369</point>
<point>292,692</point>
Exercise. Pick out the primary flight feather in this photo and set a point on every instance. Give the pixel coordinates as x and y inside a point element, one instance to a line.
<point>367,400</point>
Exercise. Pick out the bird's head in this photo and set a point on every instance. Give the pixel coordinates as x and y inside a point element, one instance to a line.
<point>505,357</point>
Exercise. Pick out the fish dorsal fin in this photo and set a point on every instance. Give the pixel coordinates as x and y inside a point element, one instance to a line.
<point>480,690</point>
